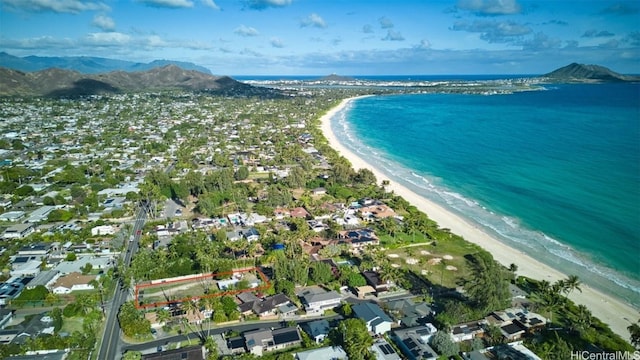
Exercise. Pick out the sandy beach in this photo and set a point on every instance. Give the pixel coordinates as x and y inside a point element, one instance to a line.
<point>617,314</point>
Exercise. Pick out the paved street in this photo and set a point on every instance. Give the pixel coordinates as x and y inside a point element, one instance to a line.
<point>110,344</point>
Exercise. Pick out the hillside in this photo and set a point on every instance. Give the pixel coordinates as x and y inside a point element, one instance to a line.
<point>588,73</point>
<point>86,64</point>
<point>67,83</point>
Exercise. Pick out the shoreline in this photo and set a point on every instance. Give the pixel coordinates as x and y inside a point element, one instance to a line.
<point>615,313</point>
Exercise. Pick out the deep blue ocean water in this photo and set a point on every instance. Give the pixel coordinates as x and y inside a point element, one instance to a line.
<point>554,173</point>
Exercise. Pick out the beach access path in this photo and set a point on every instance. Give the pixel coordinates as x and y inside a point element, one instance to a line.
<point>617,314</point>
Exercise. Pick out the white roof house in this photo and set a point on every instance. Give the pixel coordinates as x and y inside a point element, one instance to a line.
<point>18,231</point>
<point>12,216</point>
<point>103,230</point>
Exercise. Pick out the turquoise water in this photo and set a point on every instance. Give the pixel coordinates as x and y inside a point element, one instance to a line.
<point>554,173</point>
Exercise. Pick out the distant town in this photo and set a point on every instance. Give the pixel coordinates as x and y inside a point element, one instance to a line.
<point>173,224</point>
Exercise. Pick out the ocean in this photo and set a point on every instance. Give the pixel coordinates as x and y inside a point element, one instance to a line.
<point>554,173</point>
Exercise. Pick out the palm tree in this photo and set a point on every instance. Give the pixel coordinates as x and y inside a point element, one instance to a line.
<point>571,283</point>
<point>548,300</point>
<point>582,319</point>
<point>163,316</point>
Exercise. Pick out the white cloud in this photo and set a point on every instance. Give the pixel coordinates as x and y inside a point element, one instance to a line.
<point>313,20</point>
<point>263,4</point>
<point>385,22</point>
<point>104,22</point>
<point>42,42</point>
<point>424,44</point>
<point>58,6</point>
<point>210,4</point>
<point>243,30</point>
<point>367,29</point>
<point>107,39</point>
<point>171,4</point>
<point>393,36</point>
<point>276,42</point>
<point>250,52</point>
<point>490,7</point>
<point>541,41</point>
<point>494,31</point>
<point>611,44</point>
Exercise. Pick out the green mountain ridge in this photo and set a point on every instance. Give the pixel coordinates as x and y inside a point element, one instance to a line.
<point>87,64</point>
<point>68,83</point>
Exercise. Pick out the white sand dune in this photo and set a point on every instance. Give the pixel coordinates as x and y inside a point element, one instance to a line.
<point>617,314</point>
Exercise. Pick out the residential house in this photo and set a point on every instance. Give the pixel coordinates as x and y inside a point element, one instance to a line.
<point>281,213</point>
<point>39,249</point>
<point>11,289</point>
<point>197,352</point>
<point>73,282</point>
<point>13,216</point>
<point>414,342</point>
<point>260,341</point>
<point>44,278</point>
<point>266,307</point>
<point>41,214</point>
<point>251,234</point>
<point>376,212</point>
<point>358,238</point>
<point>6,315</point>
<point>255,218</point>
<point>114,203</point>
<point>33,327</point>
<point>467,331</point>
<point>43,355</point>
<point>19,231</point>
<point>26,266</point>
<point>97,262</point>
<point>375,280</point>
<point>318,330</point>
<point>287,310</point>
<point>316,300</point>
<point>363,291</point>
<point>515,322</point>
<point>347,220</point>
<point>300,212</point>
<point>384,351</point>
<point>286,337</point>
<point>323,353</point>
<point>235,345</point>
<point>103,230</point>
<point>513,350</point>
<point>409,313</point>
<point>319,191</point>
<point>377,321</point>
<point>317,225</point>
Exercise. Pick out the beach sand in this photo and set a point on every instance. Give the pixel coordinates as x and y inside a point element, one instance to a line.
<point>617,314</point>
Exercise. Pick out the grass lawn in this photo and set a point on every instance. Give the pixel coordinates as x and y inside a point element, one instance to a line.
<point>441,262</point>
<point>72,324</point>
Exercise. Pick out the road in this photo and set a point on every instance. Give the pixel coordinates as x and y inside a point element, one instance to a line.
<point>110,344</point>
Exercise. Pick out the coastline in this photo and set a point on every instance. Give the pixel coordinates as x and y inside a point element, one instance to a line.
<point>617,314</point>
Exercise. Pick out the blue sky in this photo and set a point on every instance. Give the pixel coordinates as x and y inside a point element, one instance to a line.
<point>347,37</point>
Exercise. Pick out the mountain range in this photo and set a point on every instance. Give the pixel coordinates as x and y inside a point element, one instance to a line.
<point>86,64</point>
<point>76,76</point>
<point>68,83</point>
